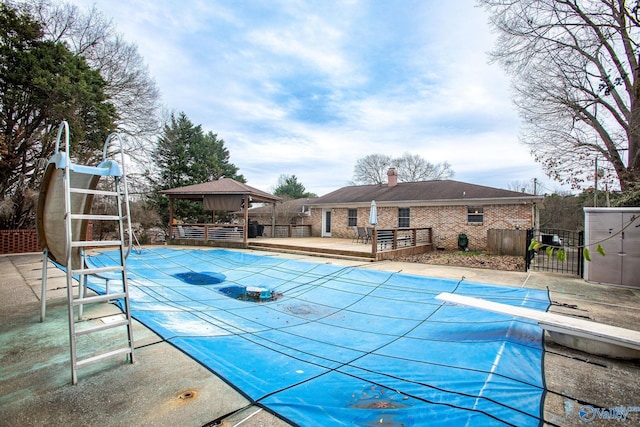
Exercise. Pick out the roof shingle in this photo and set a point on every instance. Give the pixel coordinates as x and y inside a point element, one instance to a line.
<point>424,191</point>
<point>221,186</point>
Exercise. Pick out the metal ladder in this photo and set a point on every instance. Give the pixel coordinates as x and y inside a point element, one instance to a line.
<point>77,267</point>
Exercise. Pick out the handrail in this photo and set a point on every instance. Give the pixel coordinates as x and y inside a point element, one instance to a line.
<point>387,239</point>
<point>206,232</point>
<point>124,184</point>
<point>64,126</point>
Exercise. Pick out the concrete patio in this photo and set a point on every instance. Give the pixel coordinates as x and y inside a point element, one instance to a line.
<point>166,387</point>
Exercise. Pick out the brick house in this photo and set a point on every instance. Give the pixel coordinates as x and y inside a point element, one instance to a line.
<point>449,207</point>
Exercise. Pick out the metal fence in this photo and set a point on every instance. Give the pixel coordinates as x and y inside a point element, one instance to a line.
<point>206,232</point>
<point>398,238</point>
<point>568,241</point>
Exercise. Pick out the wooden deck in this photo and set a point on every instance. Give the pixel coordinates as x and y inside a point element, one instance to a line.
<point>333,247</point>
<point>319,246</point>
<point>381,244</point>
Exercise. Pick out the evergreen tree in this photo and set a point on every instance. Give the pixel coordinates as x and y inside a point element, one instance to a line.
<point>289,187</point>
<point>185,155</point>
<point>41,84</point>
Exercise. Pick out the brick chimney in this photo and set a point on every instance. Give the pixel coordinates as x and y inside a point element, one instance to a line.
<point>392,177</point>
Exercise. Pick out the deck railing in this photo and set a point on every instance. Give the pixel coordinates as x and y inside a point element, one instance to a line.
<point>205,232</point>
<point>389,239</point>
<point>226,232</point>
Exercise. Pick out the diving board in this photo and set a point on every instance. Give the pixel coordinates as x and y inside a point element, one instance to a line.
<point>569,331</point>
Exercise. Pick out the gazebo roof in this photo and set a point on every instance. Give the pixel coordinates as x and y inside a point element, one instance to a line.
<point>221,187</point>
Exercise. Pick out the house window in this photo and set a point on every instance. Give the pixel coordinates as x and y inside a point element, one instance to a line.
<point>403,217</point>
<point>475,215</point>
<point>352,217</point>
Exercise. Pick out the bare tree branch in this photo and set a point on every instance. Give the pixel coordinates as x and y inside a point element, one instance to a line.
<point>129,86</point>
<point>574,68</point>
<point>372,169</point>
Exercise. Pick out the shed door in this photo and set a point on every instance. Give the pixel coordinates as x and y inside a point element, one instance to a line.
<point>608,268</point>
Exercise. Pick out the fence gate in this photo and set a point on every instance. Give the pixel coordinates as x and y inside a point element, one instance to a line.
<point>571,242</point>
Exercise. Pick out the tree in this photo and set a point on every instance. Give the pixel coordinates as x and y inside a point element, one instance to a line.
<point>631,197</point>
<point>522,186</point>
<point>41,84</point>
<point>185,155</point>
<point>372,169</point>
<point>563,211</point>
<point>288,186</point>
<point>575,73</point>
<point>413,168</point>
<point>131,90</point>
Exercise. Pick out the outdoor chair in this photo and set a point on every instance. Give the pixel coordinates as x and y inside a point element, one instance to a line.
<point>369,234</point>
<point>356,237</point>
<point>362,234</point>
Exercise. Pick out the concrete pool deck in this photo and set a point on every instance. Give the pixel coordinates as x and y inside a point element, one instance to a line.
<point>166,387</point>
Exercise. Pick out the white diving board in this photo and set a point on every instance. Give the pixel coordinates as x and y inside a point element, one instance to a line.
<point>565,325</point>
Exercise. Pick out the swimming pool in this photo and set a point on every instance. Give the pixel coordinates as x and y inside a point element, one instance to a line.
<point>335,345</point>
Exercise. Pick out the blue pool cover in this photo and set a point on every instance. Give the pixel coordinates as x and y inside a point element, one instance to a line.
<point>343,345</point>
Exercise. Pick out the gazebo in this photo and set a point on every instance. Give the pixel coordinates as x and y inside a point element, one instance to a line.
<point>225,194</point>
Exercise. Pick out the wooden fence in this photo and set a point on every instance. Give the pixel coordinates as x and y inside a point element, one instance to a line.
<point>507,242</point>
<point>289,230</point>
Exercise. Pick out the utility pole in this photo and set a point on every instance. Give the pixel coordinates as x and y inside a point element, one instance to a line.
<point>595,185</point>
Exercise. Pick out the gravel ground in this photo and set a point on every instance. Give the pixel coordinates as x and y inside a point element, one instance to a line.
<point>469,259</point>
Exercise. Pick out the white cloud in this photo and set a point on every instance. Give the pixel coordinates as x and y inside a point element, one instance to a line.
<point>307,88</point>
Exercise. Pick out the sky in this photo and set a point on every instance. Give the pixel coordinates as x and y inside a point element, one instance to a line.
<point>308,87</point>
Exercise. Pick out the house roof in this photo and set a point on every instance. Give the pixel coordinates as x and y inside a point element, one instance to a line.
<point>292,205</point>
<point>436,191</point>
<point>223,186</point>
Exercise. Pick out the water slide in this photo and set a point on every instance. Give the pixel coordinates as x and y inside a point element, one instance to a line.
<point>80,182</point>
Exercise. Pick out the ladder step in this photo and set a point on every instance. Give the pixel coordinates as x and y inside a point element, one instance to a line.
<point>103,356</point>
<point>94,192</point>
<point>85,243</point>
<point>118,193</point>
<point>96,217</point>
<point>98,298</point>
<point>97,270</point>
<point>102,327</point>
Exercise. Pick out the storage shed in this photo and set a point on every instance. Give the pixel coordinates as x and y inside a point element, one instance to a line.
<point>617,230</point>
